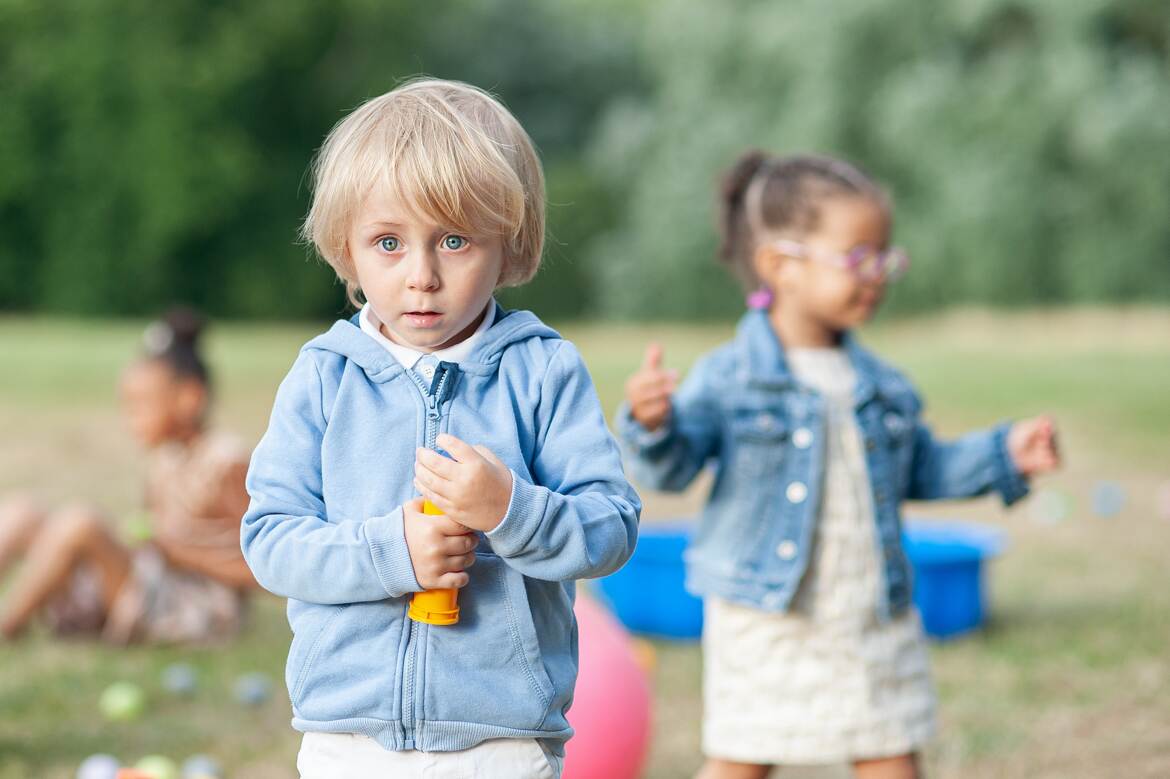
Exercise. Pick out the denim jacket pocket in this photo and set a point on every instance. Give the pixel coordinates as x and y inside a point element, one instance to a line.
<point>758,437</point>
<point>897,432</point>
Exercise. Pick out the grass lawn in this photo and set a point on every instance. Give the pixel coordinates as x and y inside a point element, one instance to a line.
<point>1071,678</point>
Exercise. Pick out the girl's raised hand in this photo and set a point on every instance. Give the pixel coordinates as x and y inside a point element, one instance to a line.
<point>648,391</point>
<point>1032,445</point>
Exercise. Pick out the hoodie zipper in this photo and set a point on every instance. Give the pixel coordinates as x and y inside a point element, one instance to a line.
<point>442,385</point>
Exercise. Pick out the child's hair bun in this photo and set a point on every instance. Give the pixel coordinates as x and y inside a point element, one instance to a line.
<point>174,339</point>
<point>186,324</point>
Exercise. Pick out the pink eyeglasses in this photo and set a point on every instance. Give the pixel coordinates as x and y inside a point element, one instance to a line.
<point>865,262</point>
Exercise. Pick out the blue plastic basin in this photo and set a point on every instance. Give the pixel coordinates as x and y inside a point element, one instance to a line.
<point>648,594</point>
<point>948,573</point>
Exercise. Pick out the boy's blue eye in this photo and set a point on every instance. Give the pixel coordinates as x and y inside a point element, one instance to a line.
<point>454,242</point>
<point>388,244</point>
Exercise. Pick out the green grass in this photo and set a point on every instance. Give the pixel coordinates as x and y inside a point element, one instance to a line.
<point>1070,679</point>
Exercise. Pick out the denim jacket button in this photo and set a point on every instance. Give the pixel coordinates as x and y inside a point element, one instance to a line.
<point>786,550</point>
<point>802,438</point>
<point>796,492</point>
<point>765,421</point>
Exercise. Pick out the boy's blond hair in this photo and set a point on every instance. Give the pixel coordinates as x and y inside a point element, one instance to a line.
<point>447,149</point>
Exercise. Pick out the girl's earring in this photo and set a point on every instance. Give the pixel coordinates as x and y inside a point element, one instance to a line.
<point>761,298</point>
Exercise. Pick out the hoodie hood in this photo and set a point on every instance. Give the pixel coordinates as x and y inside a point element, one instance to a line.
<point>347,339</point>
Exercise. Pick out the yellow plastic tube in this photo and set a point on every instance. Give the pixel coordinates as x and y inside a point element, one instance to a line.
<point>434,607</point>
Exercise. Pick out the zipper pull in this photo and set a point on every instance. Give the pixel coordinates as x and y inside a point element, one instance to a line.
<point>443,382</point>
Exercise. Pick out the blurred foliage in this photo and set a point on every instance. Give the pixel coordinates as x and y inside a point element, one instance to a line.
<point>158,152</point>
<point>1026,144</point>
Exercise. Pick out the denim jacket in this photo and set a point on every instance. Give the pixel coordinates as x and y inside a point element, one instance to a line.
<point>325,530</point>
<point>742,411</point>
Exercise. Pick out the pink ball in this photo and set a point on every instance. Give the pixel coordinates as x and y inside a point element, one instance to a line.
<point>611,705</point>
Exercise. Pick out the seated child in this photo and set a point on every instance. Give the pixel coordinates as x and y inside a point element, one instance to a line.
<point>188,584</point>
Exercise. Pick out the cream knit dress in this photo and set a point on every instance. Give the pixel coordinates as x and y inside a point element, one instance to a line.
<point>825,682</point>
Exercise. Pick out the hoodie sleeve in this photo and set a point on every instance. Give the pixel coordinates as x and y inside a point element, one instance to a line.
<point>292,549</point>
<point>580,518</point>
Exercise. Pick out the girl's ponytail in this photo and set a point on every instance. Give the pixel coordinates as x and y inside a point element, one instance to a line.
<point>734,228</point>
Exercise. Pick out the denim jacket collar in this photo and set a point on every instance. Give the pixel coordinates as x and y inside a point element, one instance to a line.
<point>761,360</point>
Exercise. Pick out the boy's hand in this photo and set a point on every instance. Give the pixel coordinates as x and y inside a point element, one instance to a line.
<point>473,489</point>
<point>440,548</point>
<point>648,391</point>
<point>1032,445</point>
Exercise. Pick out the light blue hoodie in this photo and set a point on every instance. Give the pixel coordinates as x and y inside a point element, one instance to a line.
<point>325,530</point>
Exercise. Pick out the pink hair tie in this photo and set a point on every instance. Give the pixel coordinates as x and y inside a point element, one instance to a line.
<point>761,298</point>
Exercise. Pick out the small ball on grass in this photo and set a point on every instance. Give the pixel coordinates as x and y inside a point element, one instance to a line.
<point>98,767</point>
<point>1050,507</point>
<point>1108,499</point>
<point>201,767</point>
<point>158,767</point>
<point>1163,500</point>
<point>122,702</point>
<point>180,679</point>
<point>253,689</point>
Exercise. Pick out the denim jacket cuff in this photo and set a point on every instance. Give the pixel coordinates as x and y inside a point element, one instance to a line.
<point>525,510</point>
<point>1009,482</point>
<point>386,537</point>
<point>638,438</point>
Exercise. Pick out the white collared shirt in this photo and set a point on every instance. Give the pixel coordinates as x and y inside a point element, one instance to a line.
<point>408,358</point>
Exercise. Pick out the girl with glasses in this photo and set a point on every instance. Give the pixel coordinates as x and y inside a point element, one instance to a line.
<point>813,652</point>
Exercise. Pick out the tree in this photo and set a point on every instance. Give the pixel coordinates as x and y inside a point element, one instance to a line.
<point>158,152</point>
<point>1024,142</point>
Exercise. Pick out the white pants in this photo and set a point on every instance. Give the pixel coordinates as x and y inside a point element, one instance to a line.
<point>352,756</point>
